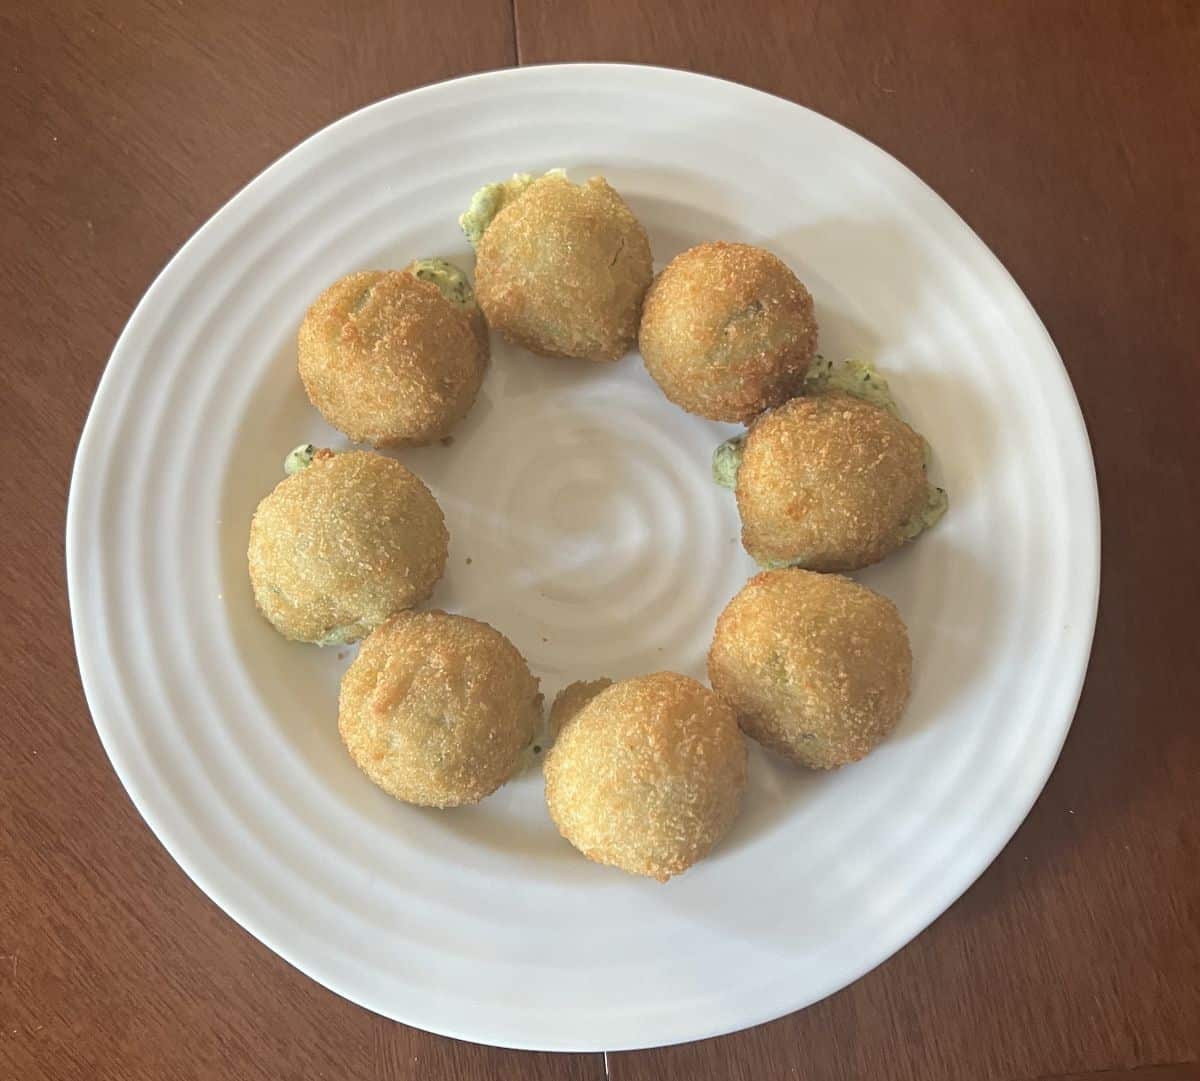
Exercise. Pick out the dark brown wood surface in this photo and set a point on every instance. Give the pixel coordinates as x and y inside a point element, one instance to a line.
<point>1066,133</point>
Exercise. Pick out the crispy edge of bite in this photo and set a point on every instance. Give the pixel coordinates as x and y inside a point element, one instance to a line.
<point>648,775</point>
<point>851,514</point>
<point>415,673</point>
<point>816,667</point>
<point>571,699</point>
<point>469,307</point>
<point>728,331</point>
<point>309,601</point>
<point>387,360</point>
<point>591,307</point>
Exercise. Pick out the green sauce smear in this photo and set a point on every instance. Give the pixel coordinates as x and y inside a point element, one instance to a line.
<point>448,278</point>
<point>299,458</point>
<point>489,200</point>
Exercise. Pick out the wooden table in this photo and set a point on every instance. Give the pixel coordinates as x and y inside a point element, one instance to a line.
<point>1067,134</point>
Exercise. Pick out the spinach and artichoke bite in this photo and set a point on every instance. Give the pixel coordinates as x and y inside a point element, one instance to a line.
<point>438,709</point>
<point>728,331</point>
<point>647,774</point>
<point>832,480</point>
<point>343,542</point>
<point>560,268</point>
<point>816,666</point>
<point>392,357</point>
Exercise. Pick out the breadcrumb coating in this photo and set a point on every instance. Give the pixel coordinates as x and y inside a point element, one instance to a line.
<point>454,286</point>
<point>437,708</point>
<point>388,360</point>
<point>571,699</point>
<point>648,775</point>
<point>728,331</point>
<point>340,545</point>
<point>816,666</point>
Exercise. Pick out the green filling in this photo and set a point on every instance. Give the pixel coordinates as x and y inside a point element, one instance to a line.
<point>936,502</point>
<point>857,377</point>
<point>448,278</point>
<point>726,461</point>
<point>489,200</point>
<point>299,458</point>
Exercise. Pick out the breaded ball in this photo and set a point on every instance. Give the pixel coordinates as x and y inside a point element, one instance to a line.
<point>648,775</point>
<point>562,269</point>
<point>830,483</point>
<point>388,360</point>
<point>816,666</point>
<point>343,543</point>
<point>436,708</point>
<point>728,331</point>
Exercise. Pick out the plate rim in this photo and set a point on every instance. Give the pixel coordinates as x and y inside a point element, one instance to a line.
<point>1088,563</point>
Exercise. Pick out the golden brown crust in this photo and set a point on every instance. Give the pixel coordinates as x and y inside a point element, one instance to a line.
<point>828,483</point>
<point>474,314</point>
<point>571,699</point>
<point>648,775</point>
<point>816,666</point>
<point>728,331</point>
<point>437,708</point>
<point>388,360</point>
<point>479,328</point>
<point>343,544</point>
<point>562,270</point>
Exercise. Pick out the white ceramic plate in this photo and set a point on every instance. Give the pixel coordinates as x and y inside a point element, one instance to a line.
<point>584,525</point>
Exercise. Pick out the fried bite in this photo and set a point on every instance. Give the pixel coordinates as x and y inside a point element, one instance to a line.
<point>342,543</point>
<point>437,708</point>
<point>816,666</point>
<point>389,360</point>
<point>830,483</point>
<point>561,268</point>
<point>728,331</point>
<point>648,775</point>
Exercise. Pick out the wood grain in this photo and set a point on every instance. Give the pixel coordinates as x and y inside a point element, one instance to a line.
<point>1066,133</point>
<point>1068,136</point>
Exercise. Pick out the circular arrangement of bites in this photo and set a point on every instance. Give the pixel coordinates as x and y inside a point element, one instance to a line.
<point>440,710</point>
